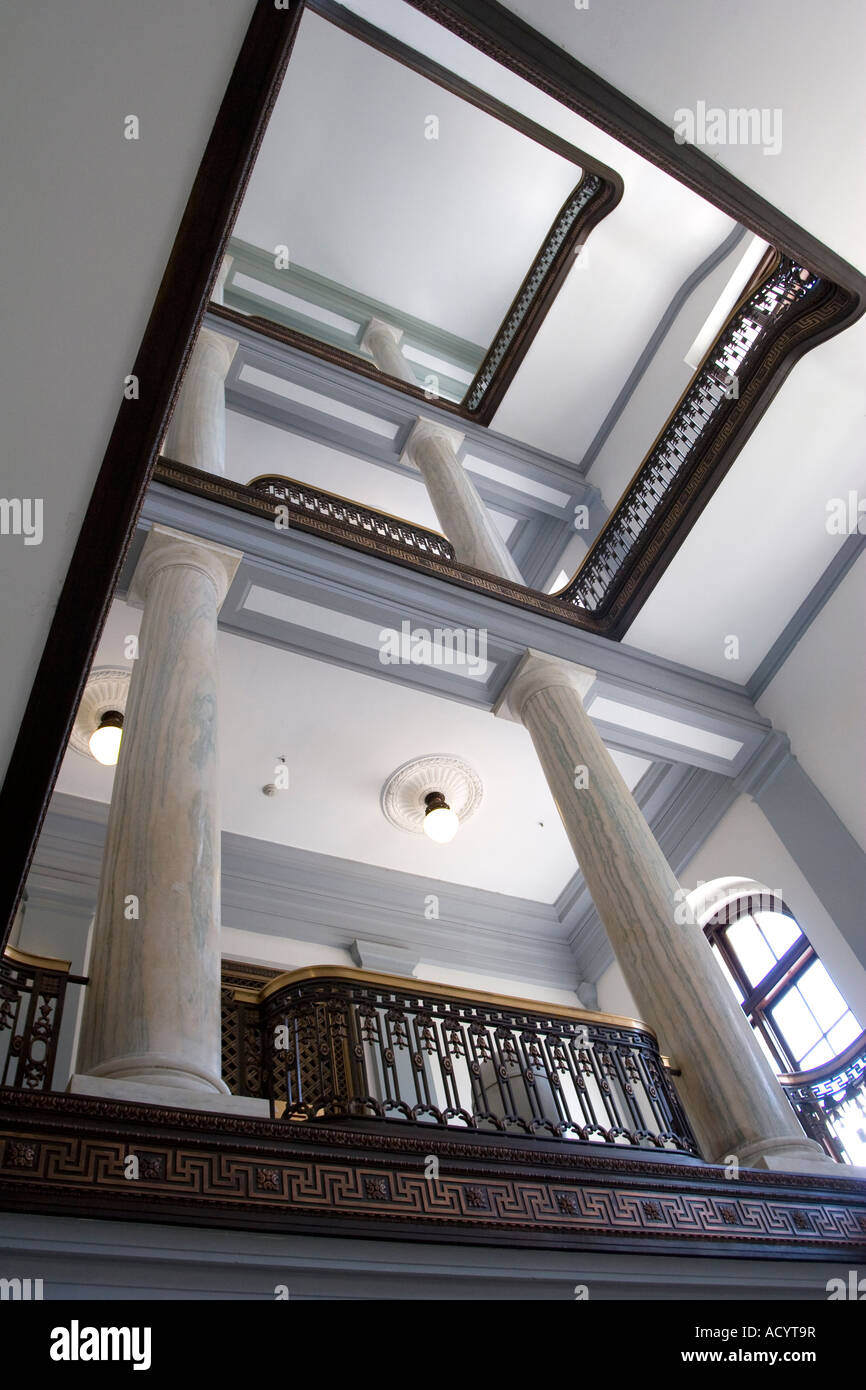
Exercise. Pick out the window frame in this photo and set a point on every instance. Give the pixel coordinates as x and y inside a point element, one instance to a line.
<point>759,1000</point>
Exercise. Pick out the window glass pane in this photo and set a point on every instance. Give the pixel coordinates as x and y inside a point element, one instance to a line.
<point>781,931</point>
<point>727,974</point>
<point>794,1019</point>
<point>822,1053</point>
<point>821,995</point>
<point>752,950</point>
<point>845,1031</point>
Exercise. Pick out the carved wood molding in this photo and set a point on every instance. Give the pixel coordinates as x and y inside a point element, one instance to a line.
<point>66,1155</point>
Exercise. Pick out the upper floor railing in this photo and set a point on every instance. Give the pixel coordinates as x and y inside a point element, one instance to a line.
<point>708,401</point>
<point>329,1042</point>
<point>332,314</point>
<point>780,316</point>
<point>301,500</point>
<point>830,1101</point>
<point>32,995</point>
<point>333,1043</point>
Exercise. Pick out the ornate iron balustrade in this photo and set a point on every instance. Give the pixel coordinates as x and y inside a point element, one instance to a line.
<point>786,315</point>
<point>310,501</point>
<point>698,417</point>
<point>588,188</point>
<point>32,995</point>
<point>831,1099</point>
<point>332,1043</point>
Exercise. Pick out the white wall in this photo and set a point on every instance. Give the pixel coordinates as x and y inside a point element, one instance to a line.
<point>259,949</point>
<point>817,700</point>
<point>89,219</point>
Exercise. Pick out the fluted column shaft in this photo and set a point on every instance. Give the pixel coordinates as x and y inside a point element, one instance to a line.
<point>196,435</point>
<point>462,515</point>
<point>152,1008</point>
<point>730,1093</point>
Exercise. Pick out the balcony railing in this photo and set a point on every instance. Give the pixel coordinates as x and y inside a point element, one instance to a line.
<point>32,995</point>
<point>830,1101</point>
<point>302,500</point>
<point>663,474</point>
<point>783,314</point>
<point>332,1043</point>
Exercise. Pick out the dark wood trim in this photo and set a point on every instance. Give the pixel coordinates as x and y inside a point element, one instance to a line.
<point>602,203</point>
<point>65,1154</point>
<point>126,469</point>
<point>248,499</point>
<point>668,529</point>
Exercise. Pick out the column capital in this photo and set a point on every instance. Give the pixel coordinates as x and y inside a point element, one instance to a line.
<point>220,282</point>
<point>217,347</point>
<point>423,431</point>
<point>375,326</point>
<point>771,755</point>
<point>538,671</point>
<point>165,547</point>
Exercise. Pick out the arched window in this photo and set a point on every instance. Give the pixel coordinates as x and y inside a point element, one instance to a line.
<point>799,1017</point>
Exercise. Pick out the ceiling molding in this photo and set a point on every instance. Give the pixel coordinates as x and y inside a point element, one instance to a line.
<point>381,400</point>
<point>342,580</point>
<point>280,891</point>
<point>844,560</point>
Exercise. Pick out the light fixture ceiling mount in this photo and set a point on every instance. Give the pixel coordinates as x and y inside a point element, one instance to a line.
<point>433,794</point>
<point>98,724</point>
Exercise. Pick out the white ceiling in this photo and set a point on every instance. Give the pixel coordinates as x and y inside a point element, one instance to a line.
<point>342,733</point>
<point>444,229</point>
<point>396,215</point>
<point>761,544</point>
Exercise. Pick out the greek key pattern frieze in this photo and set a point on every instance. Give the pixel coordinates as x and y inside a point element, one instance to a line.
<point>281,1189</point>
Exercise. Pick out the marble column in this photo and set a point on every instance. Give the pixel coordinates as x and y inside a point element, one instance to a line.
<point>196,435</point>
<point>382,341</point>
<point>151,1025</point>
<point>730,1094</point>
<point>464,519</point>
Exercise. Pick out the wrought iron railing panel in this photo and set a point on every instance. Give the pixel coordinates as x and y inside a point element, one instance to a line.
<point>699,414</point>
<point>355,1049</point>
<point>556,238</point>
<point>303,500</point>
<point>831,1101</point>
<point>31,1011</point>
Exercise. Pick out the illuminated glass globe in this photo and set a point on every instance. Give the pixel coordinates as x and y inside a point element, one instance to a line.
<point>440,822</point>
<point>104,742</point>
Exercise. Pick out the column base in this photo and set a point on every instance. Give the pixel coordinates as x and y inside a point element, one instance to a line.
<point>790,1156</point>
<point>161,1069</point>
<point>175,1097</point>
